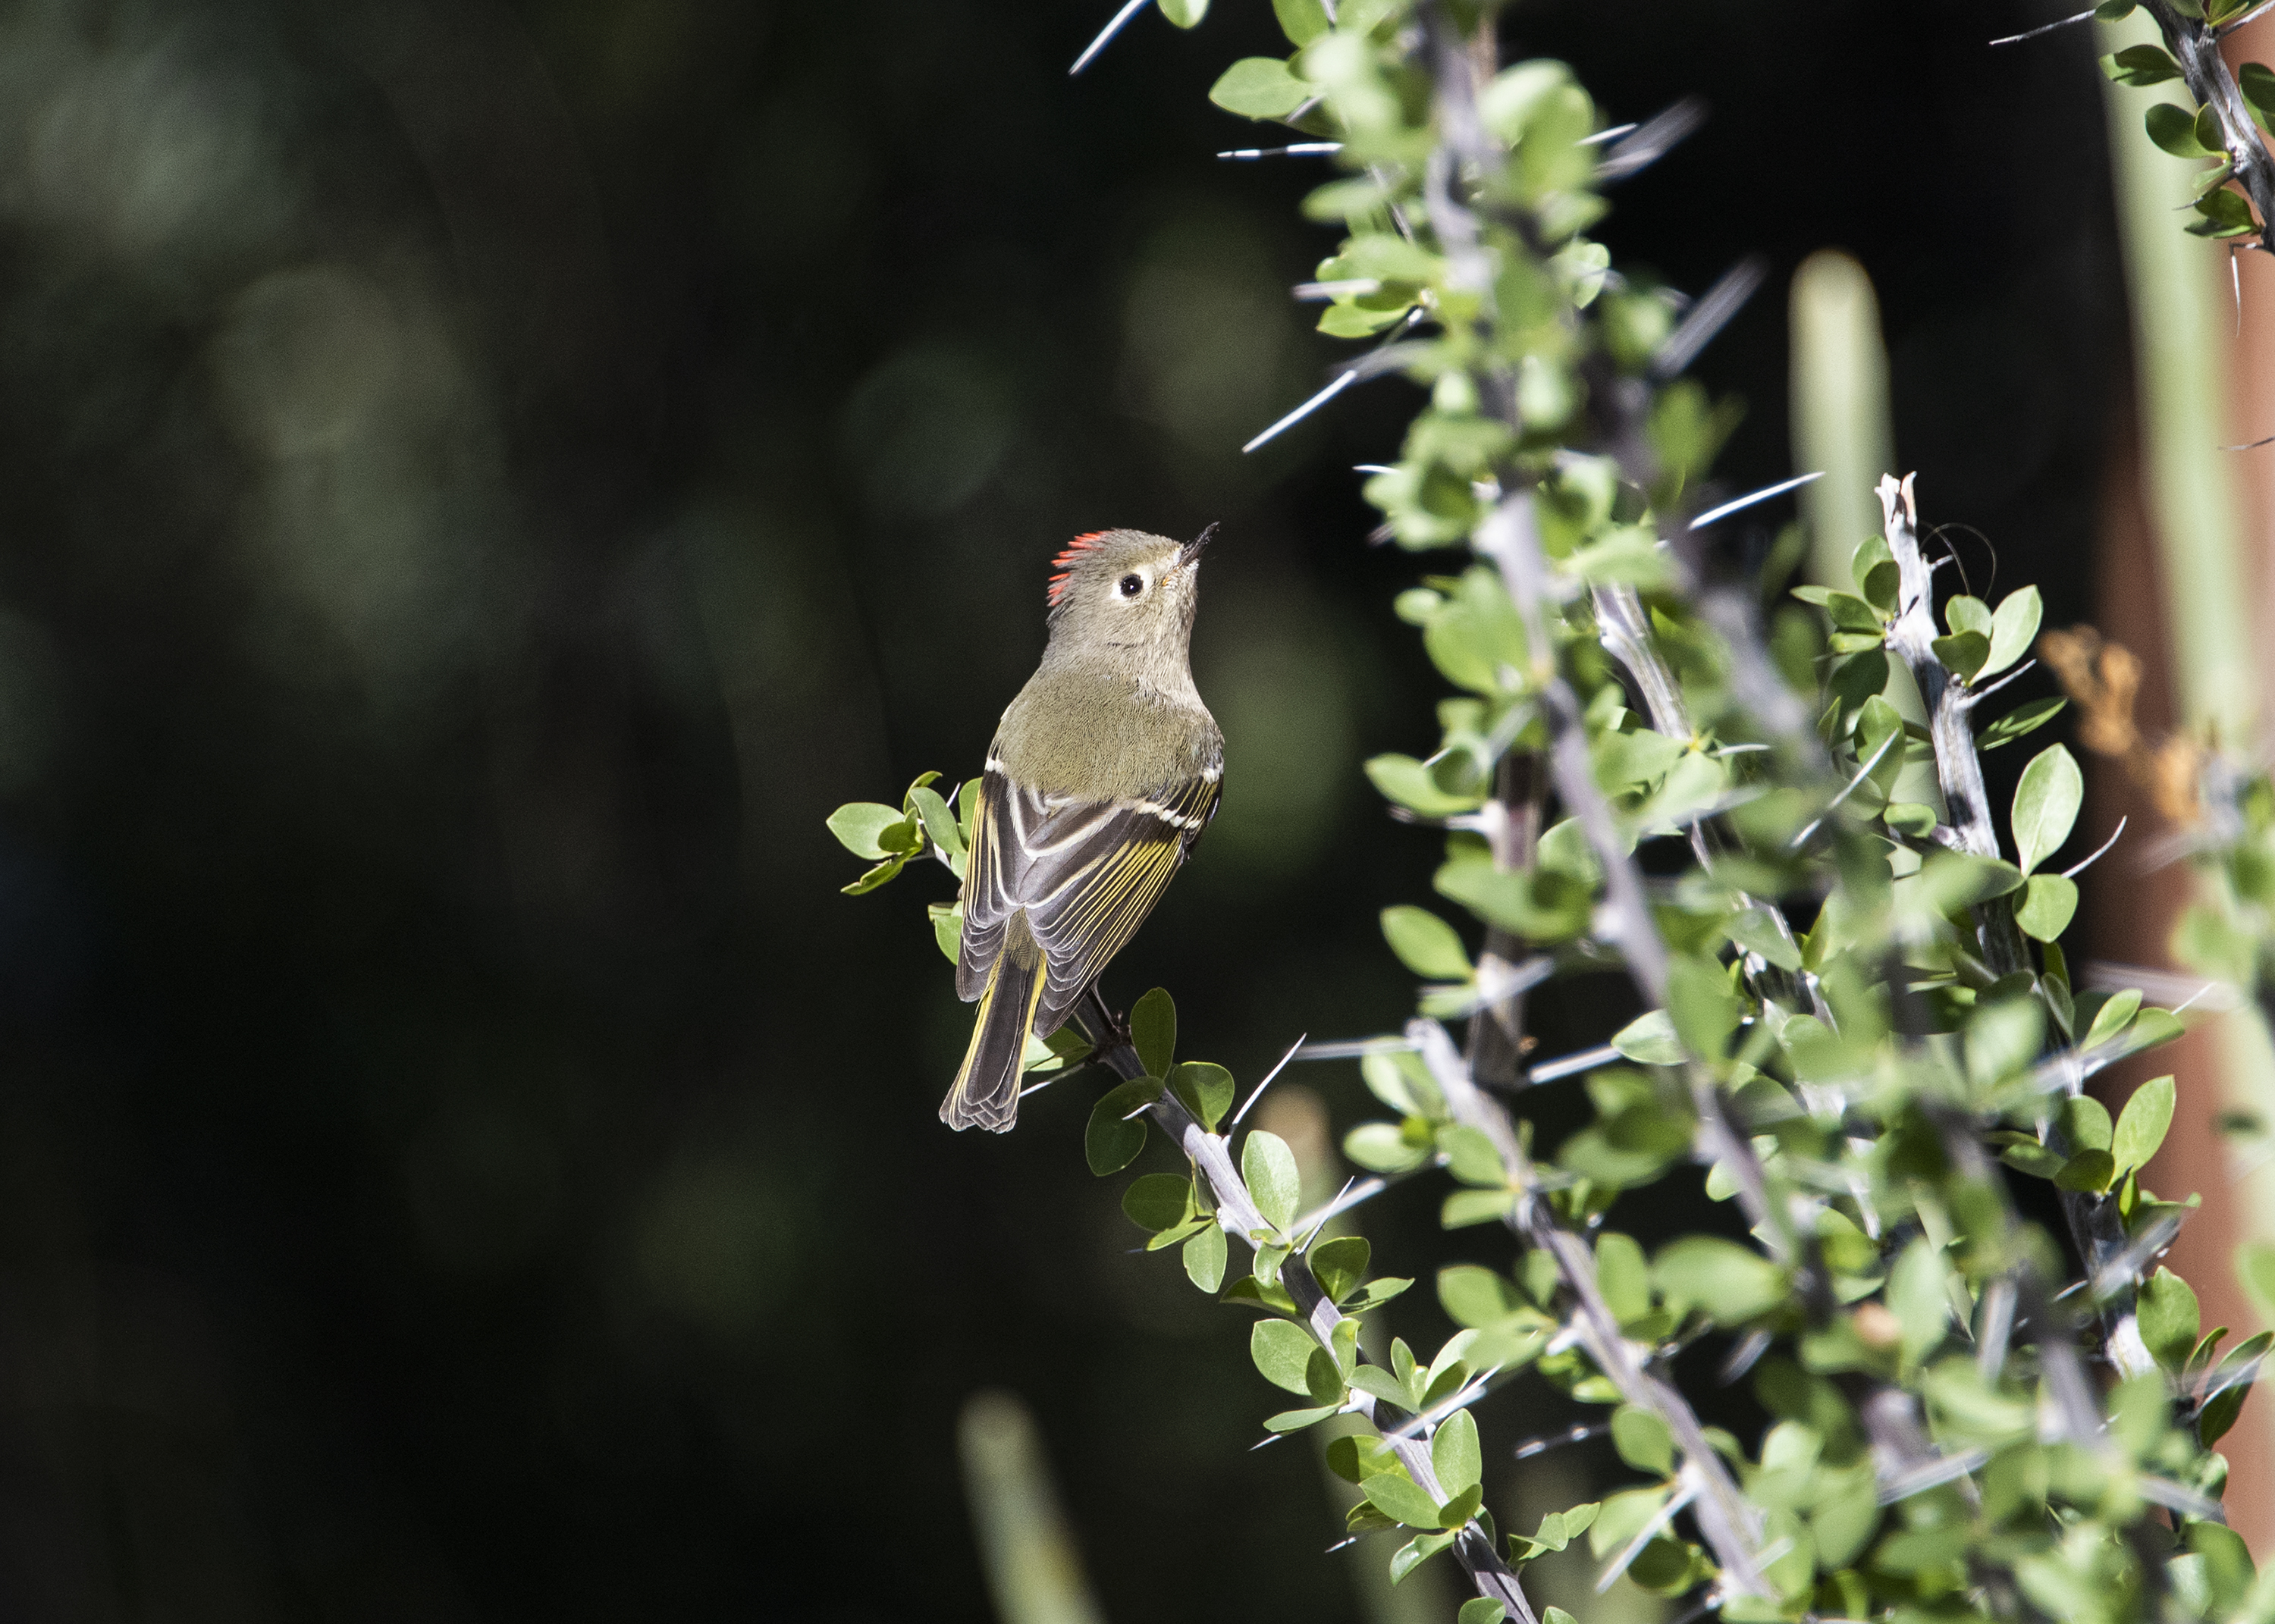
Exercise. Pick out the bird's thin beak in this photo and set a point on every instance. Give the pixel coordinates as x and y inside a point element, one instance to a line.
<point>1191,553</point>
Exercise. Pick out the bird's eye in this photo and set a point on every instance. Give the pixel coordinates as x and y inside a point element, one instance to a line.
<point>1132,585</point>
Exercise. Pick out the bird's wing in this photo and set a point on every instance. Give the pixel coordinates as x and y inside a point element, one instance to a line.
<point>1087,872</point>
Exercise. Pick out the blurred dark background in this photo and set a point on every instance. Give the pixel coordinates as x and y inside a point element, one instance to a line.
<point>480,482</point>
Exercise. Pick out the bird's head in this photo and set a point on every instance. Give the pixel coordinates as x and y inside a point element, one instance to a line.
<point>1126,588</point>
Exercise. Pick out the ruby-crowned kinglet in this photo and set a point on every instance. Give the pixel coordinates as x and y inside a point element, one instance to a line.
<point>1104,772</point>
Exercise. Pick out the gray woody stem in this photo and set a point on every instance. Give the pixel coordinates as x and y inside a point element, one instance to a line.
<point>2194,45</point>
<point>2095,1225</point>
<point>1211,1155</point>
<point>1727,1522</point>
<point>1950,708</point>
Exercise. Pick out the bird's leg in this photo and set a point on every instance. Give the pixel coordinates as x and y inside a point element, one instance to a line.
<point>1108,1032</point>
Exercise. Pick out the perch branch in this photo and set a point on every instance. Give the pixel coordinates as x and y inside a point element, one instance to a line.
<point>1212,1155</point>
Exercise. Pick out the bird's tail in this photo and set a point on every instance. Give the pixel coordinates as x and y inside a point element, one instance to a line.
<point>987,1090</point>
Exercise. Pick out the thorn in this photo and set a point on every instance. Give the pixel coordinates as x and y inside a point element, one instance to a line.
<point>1313,291</point>
<point>1601,136</point>
<point>1342,381</point>
<point>1579,1434</point>
<point>1751,498</point>
<point>1301,149</point>
<point>1743,1357</point>
<point>1975,695</point>
<point>1355,1048</point>
<point>1268,1075</point>
<point>2016,39</point>
<point>2233,23</point>
<point>1708,316</point>
<point>2074,871</point>
<point>1658,136</point>
<point>1845,791</point>
<point>1106,35</point>
<point>1343,1544</point>
<point>1270,1441</point>
<point>1571,1065</point>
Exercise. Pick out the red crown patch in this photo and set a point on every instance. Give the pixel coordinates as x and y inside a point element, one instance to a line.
<point>1065,562</point>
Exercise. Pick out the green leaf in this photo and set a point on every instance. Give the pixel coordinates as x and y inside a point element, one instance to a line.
<point>1282,1350</point>
<point>2258,86</point>
<point>1470,1156</point>
<point>2085,1123</point>
<point>1381,1147</point>
<point>1296,1420</point>
<point>1962,651</point>
<point>1919,1298</point>
<point>967,811</point>
<point>858,824</point>
<point>1204,1088</point>
<point>1732,1283</point>
<point>1340,1265</point>
<point>1622,1516</point>
<point>2169,1318</point>
<point>1465,1207</point>
<point>1965,613</point>
<point>2228,1571</point>
<point>2174,130</point>
<point>1643,1439</point>
<point>1417,1550</point>
<point>2048,904</point>
<point>1650,1040</point>
<point>1158,1201</point>
<point>1203,1259</point>
<point>2141,65</point>
<point>1274,1183</point>
<point>2022,719</point>
<point>939,822</point>
<point>1153,1032</point>
<point>1387,1386</point>
<point>1259,88</point>
<point>1109,1142</point>
<point>2086,1172</point>
<point>2112,1018</point>
<point>1400,1499</point>
<point>1475,1297</point>
<point>1623,1276</point>
<point>1482,1609</point>
<point>1701,1005</point>
<point>1184,13</point>
<point>875,877</point>
<point>2225,213</point>
<point>1455,1454</point>
<point>2254,1267</point>
<point>2141,1125</point>
<point>1177,1234</point>
<point>1460,1508</point>
<point>1379,1291</point>
<point>1426,944</point>
<point>2046,803</point>
<point>1301,20</point>
<point>948,930</point>
<point>1408,782</point>
<point>1755,931</point>
<point>2012,629</point>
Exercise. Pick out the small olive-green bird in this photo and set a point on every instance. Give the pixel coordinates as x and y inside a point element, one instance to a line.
<point>1104,772</point>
